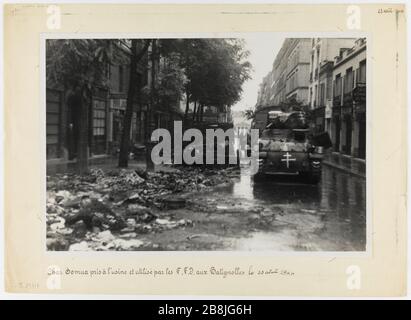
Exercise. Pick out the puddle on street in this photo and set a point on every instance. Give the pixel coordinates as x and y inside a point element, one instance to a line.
<point>244,187</point>
<point>329,216</point>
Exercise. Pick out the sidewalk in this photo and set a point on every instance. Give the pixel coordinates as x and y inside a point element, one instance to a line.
<point>348,164</point>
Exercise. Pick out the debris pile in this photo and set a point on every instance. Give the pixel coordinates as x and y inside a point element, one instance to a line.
<point>108,210</point>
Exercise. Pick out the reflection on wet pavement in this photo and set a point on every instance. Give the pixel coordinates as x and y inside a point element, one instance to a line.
<point>288,215</point>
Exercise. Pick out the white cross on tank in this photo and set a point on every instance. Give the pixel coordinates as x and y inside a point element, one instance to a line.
<point>288,159</point>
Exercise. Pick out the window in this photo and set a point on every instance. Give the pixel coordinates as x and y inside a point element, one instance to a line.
<point>98,145</point>
<point>328,87</point>
<point>318,57</point>
<point>349,81</point>
<point>338,85</point>
<point>322,94</point>
<point>362,72</point>
<point>120,78</point>
<point>312,67</point>
<point>99,118</point>
<point>53,99</point>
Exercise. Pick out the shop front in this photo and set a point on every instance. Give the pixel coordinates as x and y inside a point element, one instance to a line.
<point>359,98</point>
<point>319,119</point>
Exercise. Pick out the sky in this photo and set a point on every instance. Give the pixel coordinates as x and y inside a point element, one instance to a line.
<point>263,49</point>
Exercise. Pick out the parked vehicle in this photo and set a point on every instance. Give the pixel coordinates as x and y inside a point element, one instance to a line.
<point>287,147</point>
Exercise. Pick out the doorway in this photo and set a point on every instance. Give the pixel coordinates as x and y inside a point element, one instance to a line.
<point>348,135</point>
<point>73,125</point>
<point>362,138</point>
<point>337,134</point>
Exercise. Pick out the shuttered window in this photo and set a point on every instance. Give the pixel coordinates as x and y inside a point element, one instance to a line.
<point>99,127</point>
<point>348,81</point>
<point>53,103</point>
<point>99,118</point>
<point>329,87</point>
<point>322,94</point>
<point>338,85</point>
<point>362,75</point>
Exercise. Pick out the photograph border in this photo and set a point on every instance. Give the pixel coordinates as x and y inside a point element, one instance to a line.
<point>383,271</point>
<point>194,35</point>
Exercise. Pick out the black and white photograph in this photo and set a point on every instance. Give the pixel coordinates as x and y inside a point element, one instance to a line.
<point>248,143</point>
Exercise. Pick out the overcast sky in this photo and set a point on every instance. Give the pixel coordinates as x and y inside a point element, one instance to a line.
<point>263,48</point>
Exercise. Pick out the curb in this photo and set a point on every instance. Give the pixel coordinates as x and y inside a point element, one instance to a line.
<point>346,170</point>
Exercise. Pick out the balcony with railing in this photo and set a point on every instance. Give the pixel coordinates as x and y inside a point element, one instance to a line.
<point>359,97</point>
<point>337,101</point>
<point>359,92</point>
<point>347,98</point>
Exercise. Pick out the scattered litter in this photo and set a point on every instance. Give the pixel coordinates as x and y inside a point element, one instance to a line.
<point>163,221</point>
<point>309,211</point>
<point>104,236</point>
<point>267,213</point>
<point>108,209</point>
<point>129,235</point>
<point>82,246</point>
<point>194,236</point>
<point>121,244</point>
<point>173,202</point>
<point>57,244</point>
<point>173,224</point>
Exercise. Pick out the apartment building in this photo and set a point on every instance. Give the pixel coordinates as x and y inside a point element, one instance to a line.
<point>322,54</point>
<point>348,126</point>
<point>297,71</point>
<point>105,115</point>
<point>289,77</point>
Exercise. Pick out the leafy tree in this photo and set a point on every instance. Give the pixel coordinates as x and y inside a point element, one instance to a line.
<point>215,70</point>
<point>137,52</point>
<point>208,71</point>
<point>166,87</point>
<point>229,70</point>
<point>249,114</point>
<point>191,55</point>
<point>169,83</point>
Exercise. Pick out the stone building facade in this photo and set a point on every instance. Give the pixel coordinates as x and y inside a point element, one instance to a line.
<point>105,116</point>
<point>322,54</point>
<point>348,130</point>
<point>289,77</point>
<point>329,75</point>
